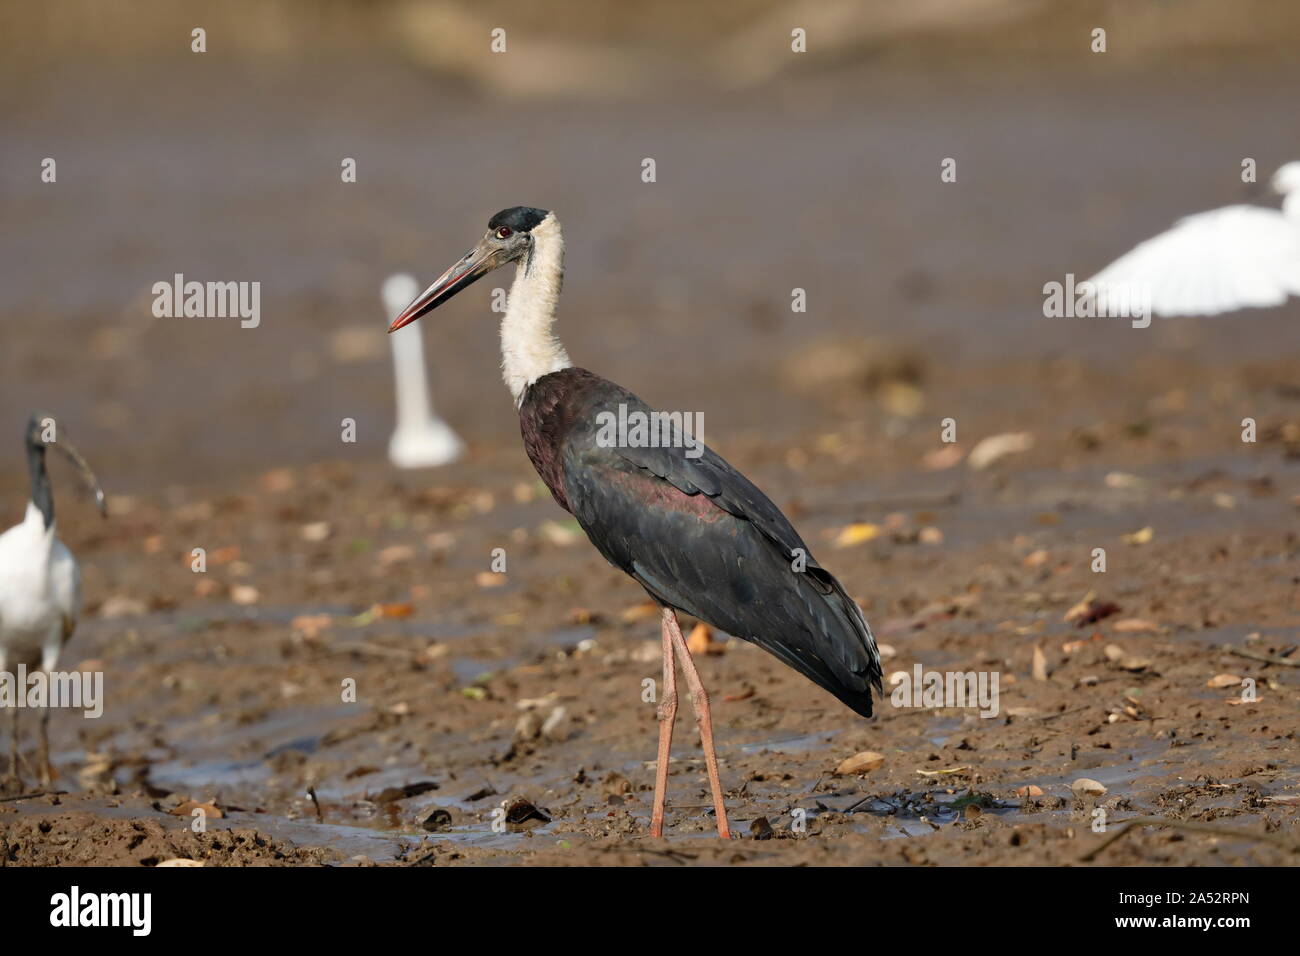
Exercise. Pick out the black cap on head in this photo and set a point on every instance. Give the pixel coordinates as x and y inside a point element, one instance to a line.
<point>518,218</point>
<point>34,433</point>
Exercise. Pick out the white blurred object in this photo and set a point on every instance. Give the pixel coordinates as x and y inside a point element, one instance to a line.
<point>421,439</point>
<point>1231,258</point>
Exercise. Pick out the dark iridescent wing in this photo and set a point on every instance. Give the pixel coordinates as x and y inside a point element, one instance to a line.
<point>701,537</point>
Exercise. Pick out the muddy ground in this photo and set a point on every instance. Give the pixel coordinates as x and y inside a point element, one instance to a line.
<point>324,566</point>
<point>225,688</point>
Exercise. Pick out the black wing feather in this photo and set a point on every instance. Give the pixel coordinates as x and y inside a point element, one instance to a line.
<point>720,550</point>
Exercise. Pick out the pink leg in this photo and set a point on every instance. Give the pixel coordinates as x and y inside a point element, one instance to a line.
<point>667,714</point>
<point>700,702</point>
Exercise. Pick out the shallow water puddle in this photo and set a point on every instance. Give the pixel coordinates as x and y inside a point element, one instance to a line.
<point>800,743</point>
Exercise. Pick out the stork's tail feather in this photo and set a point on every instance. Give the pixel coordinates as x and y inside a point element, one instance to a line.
<point>838,651</point>
<point>858,667</point>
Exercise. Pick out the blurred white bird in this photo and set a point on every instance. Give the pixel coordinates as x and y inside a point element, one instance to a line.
<point>1231,258</point>
<point>421,439</point>
<point>40,583</point>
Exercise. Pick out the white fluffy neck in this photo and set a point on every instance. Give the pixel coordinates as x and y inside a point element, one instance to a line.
<point>529,348</point>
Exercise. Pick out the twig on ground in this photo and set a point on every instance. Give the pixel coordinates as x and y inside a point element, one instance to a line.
<point>1241,652</point>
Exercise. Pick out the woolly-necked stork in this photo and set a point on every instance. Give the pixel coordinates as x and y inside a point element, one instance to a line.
<point>689,528</point>
<point>40,583</point>
<point>421,439</point>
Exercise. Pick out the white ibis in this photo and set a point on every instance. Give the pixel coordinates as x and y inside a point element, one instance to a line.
<point>688,527</point>
<point>421,439</point>
<point>40,583</point>
<point>1232,258</point>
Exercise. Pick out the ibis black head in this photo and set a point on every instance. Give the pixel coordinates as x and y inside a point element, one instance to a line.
<point>39,426</point>
<point>509,238</point>
<point>42,432</point>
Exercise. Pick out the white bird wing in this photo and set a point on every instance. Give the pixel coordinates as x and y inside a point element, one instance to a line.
<point>1230,258</point>
<point>65,585</point>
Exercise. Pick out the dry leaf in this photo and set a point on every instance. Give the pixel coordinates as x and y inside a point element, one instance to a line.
<point>1035,559</point>
<point>244,594</point>
<point>1086,786</point>
<point>310,625</point>
<point>1136,625</point>
<point>187,809</point>
<point>701,641</point>
<point>639,612</point>
<point>853,534</point>
<point>1121,479</point>
<point>949,772</point>
<point>315,532</point>
<point>1223,680</point>
<point>1090,611</point>
<point>862,762</point>
<point>995,447</point>
<point>1142,536</point>
<point>939,459</point>
<point>560,535</point>
<point>278,480</point>
<point>395,554</point>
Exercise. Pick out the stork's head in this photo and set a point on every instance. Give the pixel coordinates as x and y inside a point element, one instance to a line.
<point>1287,179</point>
<point>509,238</point>
<point>43,432</point>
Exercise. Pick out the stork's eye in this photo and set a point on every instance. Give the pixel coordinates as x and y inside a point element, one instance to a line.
<point>504,232</point>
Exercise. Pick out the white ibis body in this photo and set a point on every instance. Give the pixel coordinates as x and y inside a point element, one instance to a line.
<point>689,528</point>
<point>40,583</point>
<point>421,439</point>
<point>1232,258</point>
